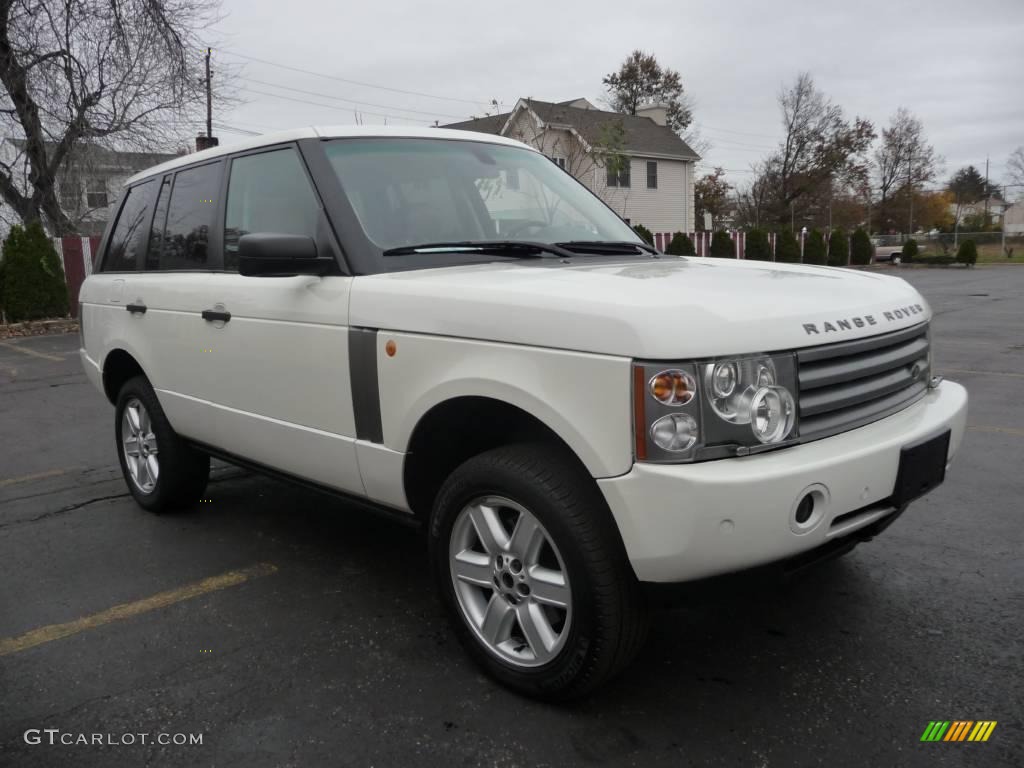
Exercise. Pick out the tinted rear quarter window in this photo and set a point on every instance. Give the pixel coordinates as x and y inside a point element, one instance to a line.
<point>128,238</point>
<point>156,234</point>
<point>190,217</point>
<point>268,192</point>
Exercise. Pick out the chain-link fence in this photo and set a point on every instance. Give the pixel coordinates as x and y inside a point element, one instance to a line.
<point>992,246</point>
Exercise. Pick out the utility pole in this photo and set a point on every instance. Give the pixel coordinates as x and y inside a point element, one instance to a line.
<point>985,220</point>
<point>209,99</point>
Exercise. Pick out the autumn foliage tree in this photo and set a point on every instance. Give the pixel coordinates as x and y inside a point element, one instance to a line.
<point>641,80</point>
<point>711,195</point>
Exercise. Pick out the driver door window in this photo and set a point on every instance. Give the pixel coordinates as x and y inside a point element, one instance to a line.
<point>268,192</point>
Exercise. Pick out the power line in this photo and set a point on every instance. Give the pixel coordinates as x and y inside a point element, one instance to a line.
<point>234,129</point>
<point>351,101</point>
<point>334,106</point>
<point>353,82</point>
<point>741,133</point>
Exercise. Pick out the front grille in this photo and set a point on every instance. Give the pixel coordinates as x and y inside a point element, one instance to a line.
<point>852,383</point>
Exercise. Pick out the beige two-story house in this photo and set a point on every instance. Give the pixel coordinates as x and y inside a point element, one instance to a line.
<point>635,163</point>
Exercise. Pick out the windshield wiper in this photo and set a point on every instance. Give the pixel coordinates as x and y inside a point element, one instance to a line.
<point>606,246</point>
<point>515,248</point>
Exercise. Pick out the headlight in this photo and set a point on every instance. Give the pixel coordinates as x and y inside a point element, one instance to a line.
<point>676,432</point>
<point>714,409</point>
<point>772,414</point>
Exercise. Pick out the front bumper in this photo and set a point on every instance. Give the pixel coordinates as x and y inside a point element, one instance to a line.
<point>686,521</point>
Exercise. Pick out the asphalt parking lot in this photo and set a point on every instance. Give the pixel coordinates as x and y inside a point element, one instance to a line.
<point>289,629</point>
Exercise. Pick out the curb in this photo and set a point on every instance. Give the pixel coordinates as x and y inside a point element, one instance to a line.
<point>38,328</point>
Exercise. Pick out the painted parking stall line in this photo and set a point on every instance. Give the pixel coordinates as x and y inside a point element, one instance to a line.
<point>124,611</point>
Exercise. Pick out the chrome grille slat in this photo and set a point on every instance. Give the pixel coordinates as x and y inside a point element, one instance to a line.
<point>853,383</point>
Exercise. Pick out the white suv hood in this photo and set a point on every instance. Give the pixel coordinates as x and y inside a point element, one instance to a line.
<point>670,308</point>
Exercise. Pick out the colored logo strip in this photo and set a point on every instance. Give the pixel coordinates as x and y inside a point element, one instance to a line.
<point>958,730</point>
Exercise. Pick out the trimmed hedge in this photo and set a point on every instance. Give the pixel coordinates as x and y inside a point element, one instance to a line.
<point>910,250</point>
<point>680,245</point>
<point>644,233</point>
<point>787,249</point>
<point>758,248</point>
<point>967,254</point>
<point>33,285</point>
<point>937,260</point>
<point>838,249</point>
<point>814,248</point>
<point>861,249</point>
<point>722,246</point>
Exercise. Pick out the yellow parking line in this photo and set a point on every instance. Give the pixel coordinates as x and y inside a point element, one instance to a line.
<point>983,373</point>
<point>30,478</point>
<point>53,632</point>
<point>27,351</point>
<point>1005,430</point>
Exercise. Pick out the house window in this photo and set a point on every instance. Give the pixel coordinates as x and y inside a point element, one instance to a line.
<point>96,194</point>
<point>652,174</point>
<point>70,195</point>
<point>620,179</point>
<point>559,161</point>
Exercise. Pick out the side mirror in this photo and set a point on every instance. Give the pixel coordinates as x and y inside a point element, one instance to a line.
<point>267,253</point>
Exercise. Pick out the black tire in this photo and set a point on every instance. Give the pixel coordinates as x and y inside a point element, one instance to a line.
<point>609,610</point>
<point>183,471</point>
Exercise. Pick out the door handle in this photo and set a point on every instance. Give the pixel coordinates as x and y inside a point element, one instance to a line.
<point>133,308</point>
<point>216,314</point>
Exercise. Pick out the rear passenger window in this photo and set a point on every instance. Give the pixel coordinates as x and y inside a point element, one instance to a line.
<point>128,240</point>
<point>268,192</point>
<point>186,236</point>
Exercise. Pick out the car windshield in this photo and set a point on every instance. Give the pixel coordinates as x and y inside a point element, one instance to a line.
<point>408,192</point>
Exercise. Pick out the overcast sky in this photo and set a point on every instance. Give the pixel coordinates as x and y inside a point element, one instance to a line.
<point>958,65</point>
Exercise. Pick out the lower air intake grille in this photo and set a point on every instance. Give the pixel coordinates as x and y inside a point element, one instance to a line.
<point>852,383</point>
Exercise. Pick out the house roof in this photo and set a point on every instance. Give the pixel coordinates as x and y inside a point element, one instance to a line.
<point>642,134</point>
<point>99,157</point>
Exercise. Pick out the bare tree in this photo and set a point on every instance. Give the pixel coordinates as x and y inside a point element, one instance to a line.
<point>114,72</point>
<point>820,146</point>
<point>754,199</point>
<point>904,156</point>
<point>1015,166</point>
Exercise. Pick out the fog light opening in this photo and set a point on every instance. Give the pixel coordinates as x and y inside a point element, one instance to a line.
<point>805,509</point>
<point>809,509</point>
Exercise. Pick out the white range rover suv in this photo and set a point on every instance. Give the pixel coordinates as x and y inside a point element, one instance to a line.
<point>447,325</point>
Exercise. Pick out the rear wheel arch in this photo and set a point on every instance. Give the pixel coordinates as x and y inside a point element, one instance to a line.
<point>119,367</point>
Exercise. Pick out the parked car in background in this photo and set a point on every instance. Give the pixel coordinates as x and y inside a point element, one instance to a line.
<point>448,326</point>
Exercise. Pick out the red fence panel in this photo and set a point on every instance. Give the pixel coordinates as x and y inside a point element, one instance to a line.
<point>74,268</point>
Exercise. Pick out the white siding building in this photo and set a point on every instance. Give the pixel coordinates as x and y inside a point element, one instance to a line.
<point>597,147</point>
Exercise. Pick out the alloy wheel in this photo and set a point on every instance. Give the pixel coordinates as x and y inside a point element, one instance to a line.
<point>510,581</point>
<point>138,444</point>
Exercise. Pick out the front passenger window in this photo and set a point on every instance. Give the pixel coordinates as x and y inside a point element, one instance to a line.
<point>268,192</point>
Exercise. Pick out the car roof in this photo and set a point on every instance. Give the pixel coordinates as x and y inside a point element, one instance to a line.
<point>322,132</point>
